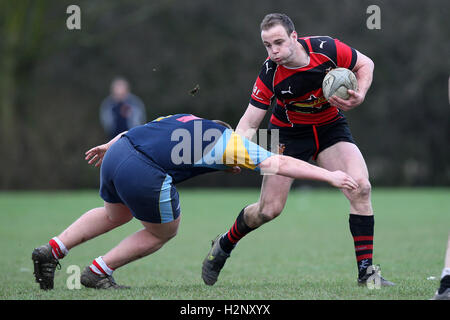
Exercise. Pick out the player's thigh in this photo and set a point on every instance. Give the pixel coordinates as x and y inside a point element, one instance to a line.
<point>344,156</point>
<point>118,212</point>
<point>274,193</point>
<point>163,231</point>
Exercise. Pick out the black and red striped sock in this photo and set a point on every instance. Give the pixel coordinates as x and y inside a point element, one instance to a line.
<point>362,229</point>
<point>239,229</point>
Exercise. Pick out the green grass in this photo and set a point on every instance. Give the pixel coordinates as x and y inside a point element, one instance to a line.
<point>306,253</point>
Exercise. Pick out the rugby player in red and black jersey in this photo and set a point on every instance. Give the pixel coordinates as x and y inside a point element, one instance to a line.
<point>310,127</point>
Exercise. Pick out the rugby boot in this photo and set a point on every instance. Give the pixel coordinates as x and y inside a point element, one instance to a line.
<point>362,281</point>
<point>213,262</point>
<point>442,295</point>
<point>90,279</point>
<point>44,266</point>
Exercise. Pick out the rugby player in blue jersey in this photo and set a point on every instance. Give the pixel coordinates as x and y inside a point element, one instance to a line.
<point>139,171</point>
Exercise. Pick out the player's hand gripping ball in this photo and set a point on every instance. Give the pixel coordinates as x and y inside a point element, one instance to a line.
<point>337,82</point>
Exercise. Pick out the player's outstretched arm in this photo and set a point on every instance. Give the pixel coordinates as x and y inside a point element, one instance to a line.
<point>298,169</point>
<point>97,153</point>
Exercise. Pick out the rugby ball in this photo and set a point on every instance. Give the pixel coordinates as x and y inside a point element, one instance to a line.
<point>337,82</point>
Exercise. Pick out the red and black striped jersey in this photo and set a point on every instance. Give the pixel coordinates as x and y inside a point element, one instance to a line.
<point>298,91</point>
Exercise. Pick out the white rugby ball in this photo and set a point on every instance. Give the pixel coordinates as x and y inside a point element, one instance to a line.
<point>337,82</point>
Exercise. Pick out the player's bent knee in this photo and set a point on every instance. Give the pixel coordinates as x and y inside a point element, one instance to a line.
<point>164,237</point>
<point>162,232</point>
<point>363,191</point>
<point>121,219</point>
<point>171,235</point>
<point>364,188</point>
<point>117,214</point>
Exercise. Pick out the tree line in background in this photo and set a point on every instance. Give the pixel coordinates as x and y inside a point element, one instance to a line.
<point>52,79</point>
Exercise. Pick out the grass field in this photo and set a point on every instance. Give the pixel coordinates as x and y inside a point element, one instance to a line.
<point>306,253</point>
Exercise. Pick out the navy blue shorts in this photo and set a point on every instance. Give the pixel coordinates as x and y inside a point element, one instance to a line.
<point>307,141</point>
<point>129,177</point>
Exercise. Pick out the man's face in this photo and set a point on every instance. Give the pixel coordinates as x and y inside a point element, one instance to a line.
<point>119,90</point>
<point>279,45</point>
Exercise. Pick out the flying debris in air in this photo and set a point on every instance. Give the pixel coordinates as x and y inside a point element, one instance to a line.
<point>195,90</point>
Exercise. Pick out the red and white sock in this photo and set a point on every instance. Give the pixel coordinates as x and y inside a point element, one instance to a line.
<point>59,250</point>
<point>99,267</point>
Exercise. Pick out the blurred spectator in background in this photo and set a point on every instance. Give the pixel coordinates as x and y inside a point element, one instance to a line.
<point>121,110</point>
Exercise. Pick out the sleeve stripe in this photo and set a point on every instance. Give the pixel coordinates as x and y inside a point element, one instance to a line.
<point>353,61</point>
<point>259,104</point>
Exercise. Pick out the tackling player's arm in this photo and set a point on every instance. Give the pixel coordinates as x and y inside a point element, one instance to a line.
<point>298,169</point>
<point>363,70</point>
<point>241,152</point>
<point>260,100</point>
<point>250,121</point>
<point>97,153</point>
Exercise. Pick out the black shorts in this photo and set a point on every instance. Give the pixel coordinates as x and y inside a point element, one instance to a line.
<point>307,141</point>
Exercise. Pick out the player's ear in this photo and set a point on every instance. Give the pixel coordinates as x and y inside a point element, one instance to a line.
<point>294,35</point>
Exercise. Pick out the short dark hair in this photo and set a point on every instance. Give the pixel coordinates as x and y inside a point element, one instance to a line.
<point>223,123</point>
<point>273,19</point>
